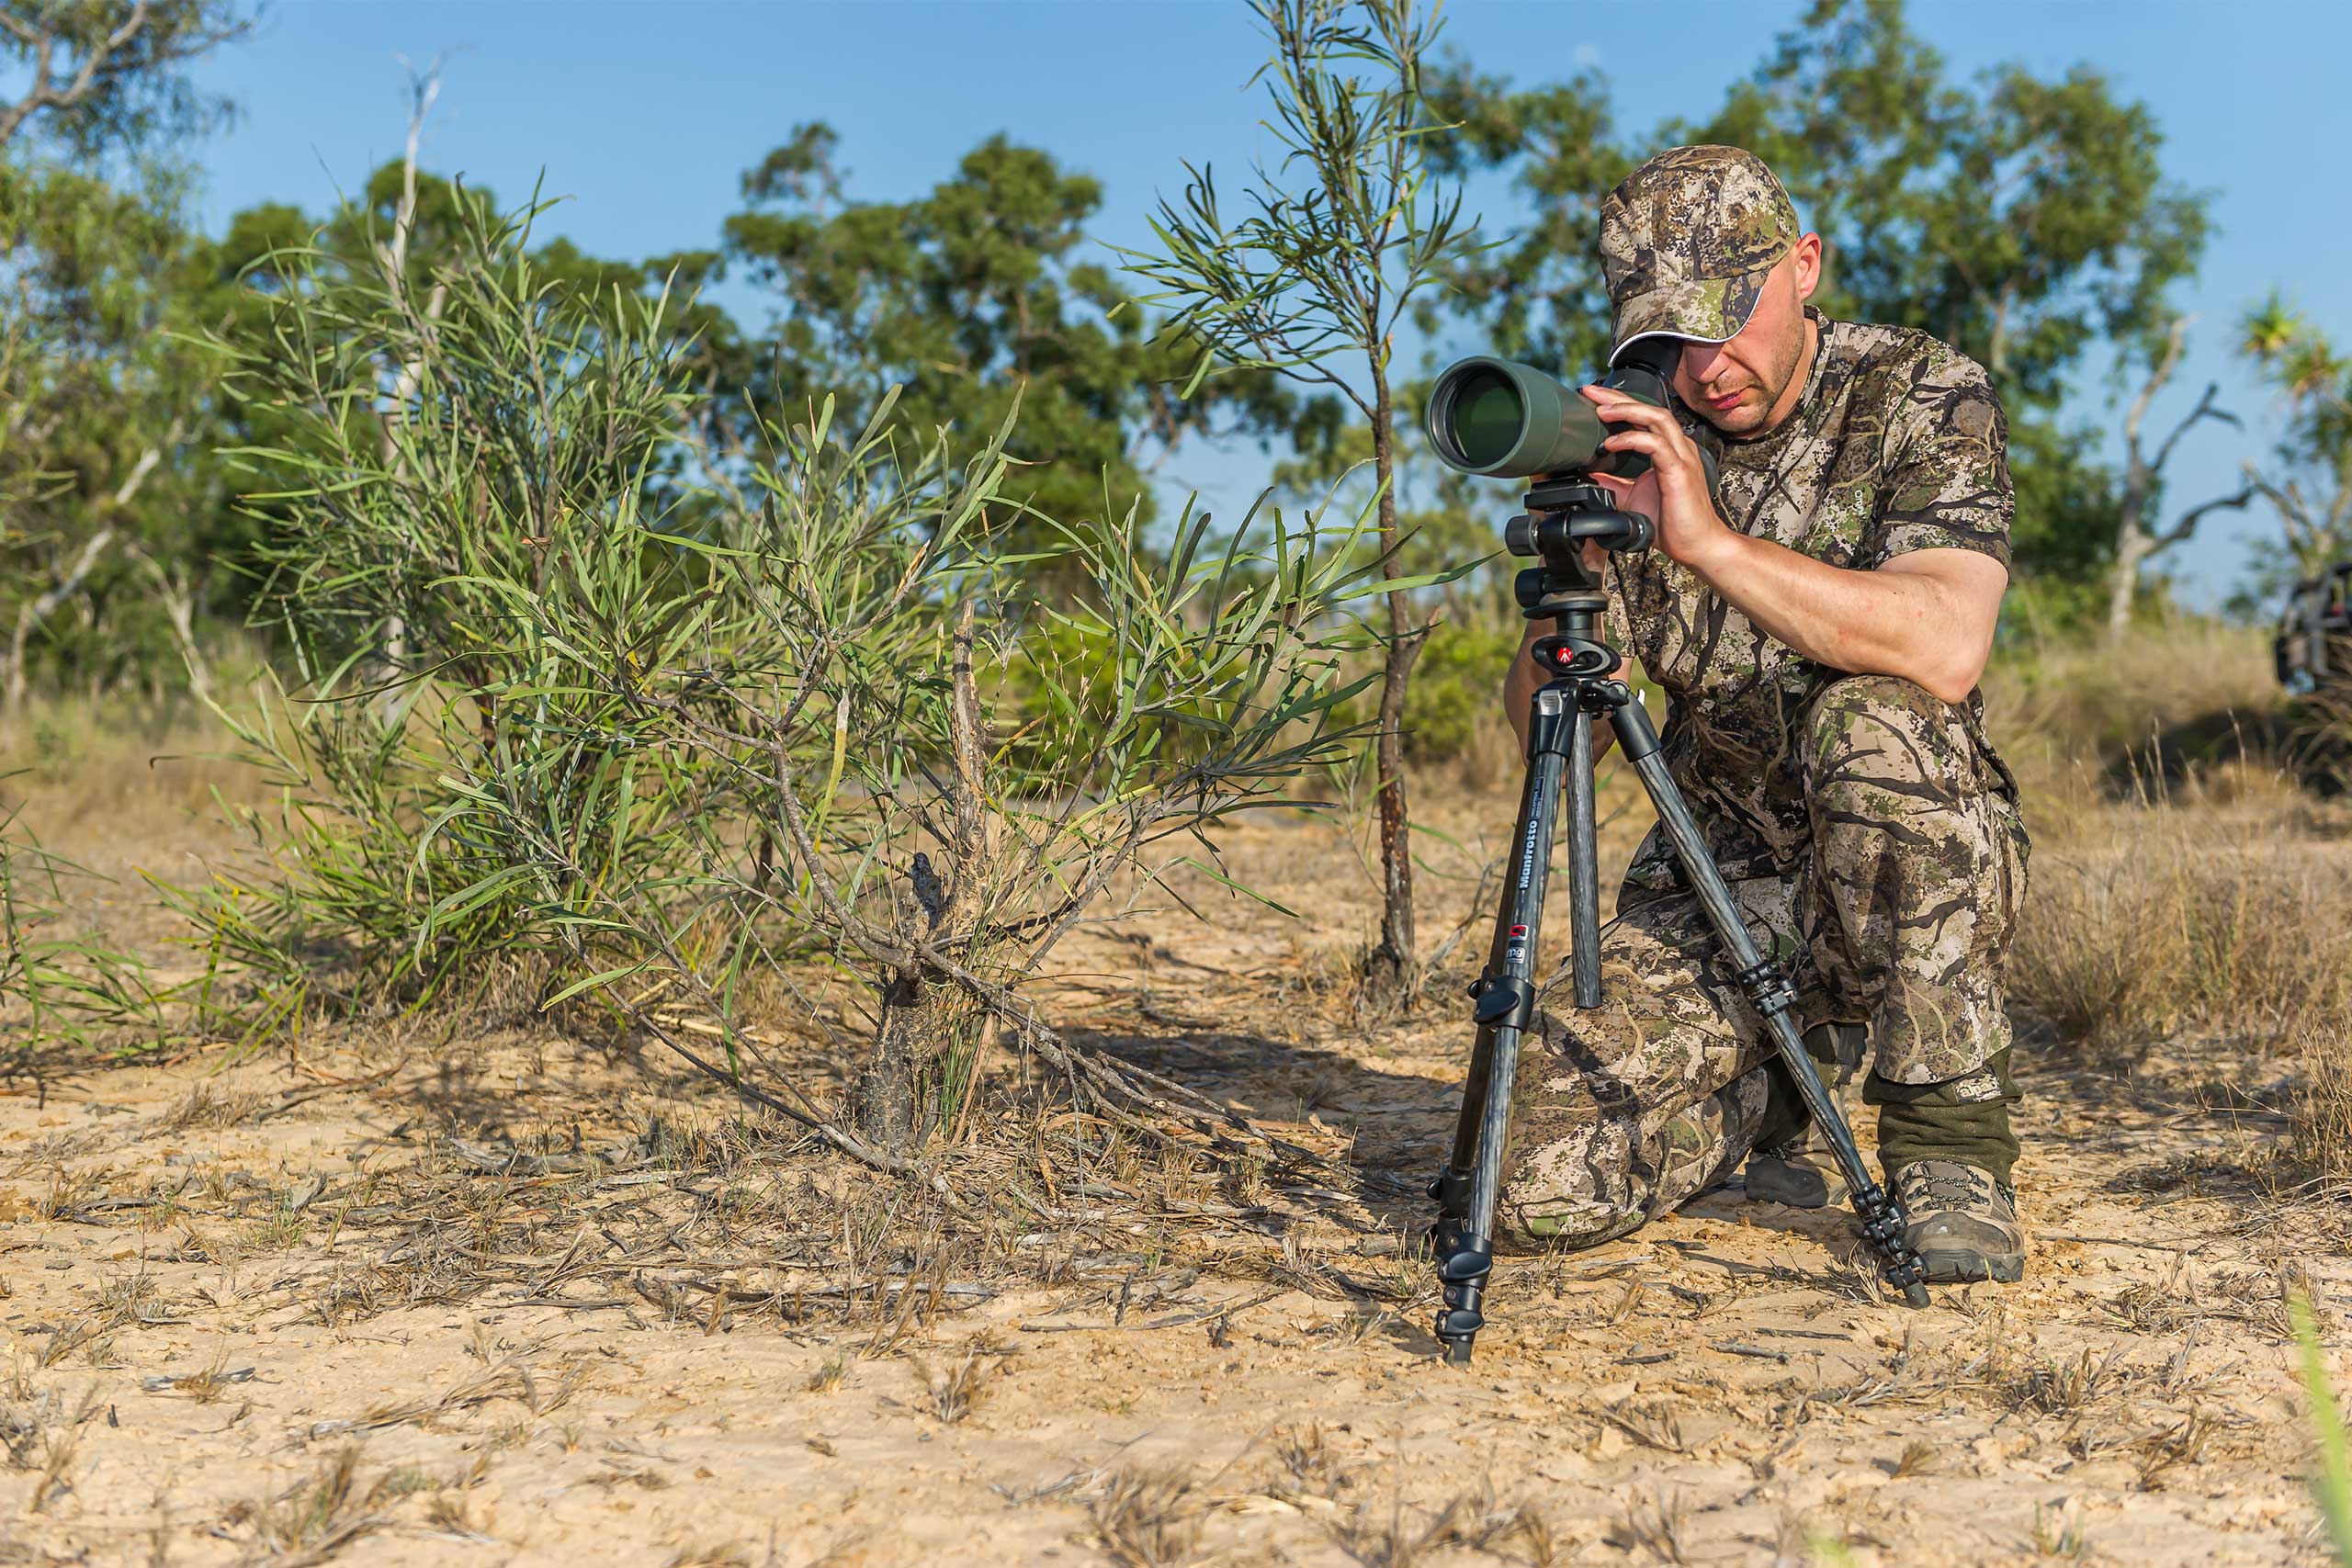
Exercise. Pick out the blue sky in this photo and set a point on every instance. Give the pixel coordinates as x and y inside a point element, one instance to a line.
<point>645,112</point>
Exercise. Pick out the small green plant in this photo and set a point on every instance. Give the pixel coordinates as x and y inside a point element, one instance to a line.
<point>2332,1480</point>
<point>1333,242</point>
<point>69,985</point>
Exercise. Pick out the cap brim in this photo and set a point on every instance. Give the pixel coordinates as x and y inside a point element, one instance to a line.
<point>1709,311</point>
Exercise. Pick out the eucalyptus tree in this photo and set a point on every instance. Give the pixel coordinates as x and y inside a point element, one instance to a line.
<point>103,412</point>
<point>1337,239</point>
<point>2141,535</point>
<point>100,75</point>
<point>975,294</point>
<point>104,416</point>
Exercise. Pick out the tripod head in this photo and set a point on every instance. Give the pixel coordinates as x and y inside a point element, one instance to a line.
<point>1565,514</point>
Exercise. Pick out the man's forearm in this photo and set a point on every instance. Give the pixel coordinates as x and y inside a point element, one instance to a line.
<point>1907,618</point>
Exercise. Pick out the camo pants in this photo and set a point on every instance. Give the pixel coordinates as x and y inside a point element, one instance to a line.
<point>1899,914</point>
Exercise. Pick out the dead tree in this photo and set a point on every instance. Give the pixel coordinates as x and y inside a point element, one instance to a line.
<point>33,612</point>
<point>2136,541</point>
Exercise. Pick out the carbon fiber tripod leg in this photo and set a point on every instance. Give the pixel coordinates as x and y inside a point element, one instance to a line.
<point>1768,988</point>
<point>1467,1189</point>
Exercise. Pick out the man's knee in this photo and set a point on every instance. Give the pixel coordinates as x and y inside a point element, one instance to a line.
<point>1879,745</point>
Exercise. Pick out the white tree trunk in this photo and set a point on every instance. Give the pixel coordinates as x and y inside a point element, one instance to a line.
<point>2132,547</point>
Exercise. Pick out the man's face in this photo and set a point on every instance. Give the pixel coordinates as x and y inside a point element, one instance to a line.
<point>1747,384</point>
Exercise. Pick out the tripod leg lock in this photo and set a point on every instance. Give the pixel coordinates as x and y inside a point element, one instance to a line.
<point>1767,985</point>
<point>1506,999</point>
<point>1464,1277</point>
<point>1450,1188</point>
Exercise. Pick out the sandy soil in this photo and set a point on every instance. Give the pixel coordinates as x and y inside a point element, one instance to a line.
<point>314,1306</point>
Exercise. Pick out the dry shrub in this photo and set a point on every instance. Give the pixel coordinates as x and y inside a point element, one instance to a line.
<point>2054,705</point>
<point>2179,918</point>
<point>2223,909</point>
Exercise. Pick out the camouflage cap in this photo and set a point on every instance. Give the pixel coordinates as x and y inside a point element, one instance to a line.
<point>1686,241</point>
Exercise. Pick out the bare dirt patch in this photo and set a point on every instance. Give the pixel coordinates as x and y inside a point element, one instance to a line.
<point>401,1298</point>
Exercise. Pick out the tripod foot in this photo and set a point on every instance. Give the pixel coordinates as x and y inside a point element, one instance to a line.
<point>1882,1230</point>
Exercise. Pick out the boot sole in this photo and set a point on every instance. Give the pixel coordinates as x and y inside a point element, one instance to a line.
<point>1957,1267</point>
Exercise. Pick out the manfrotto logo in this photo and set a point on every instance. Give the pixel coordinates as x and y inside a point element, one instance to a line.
<point>1527,860</point>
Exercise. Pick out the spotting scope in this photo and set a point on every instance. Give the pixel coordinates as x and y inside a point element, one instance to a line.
<point>1507,421</point>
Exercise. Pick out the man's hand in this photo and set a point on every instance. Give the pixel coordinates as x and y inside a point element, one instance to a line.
<point>1674,492</point>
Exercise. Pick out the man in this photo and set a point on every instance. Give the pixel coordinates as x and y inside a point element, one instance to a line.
<point>1818,622</point>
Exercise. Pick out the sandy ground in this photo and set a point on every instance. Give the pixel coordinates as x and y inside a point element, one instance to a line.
<point>312,1306</point>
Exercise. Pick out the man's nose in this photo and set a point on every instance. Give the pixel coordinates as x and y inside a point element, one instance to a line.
<point>1700,359</point>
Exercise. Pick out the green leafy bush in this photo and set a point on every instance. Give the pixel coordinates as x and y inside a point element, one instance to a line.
<point>652,732</point>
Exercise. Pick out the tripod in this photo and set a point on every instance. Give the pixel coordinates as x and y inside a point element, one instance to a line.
<point>1563,516</point>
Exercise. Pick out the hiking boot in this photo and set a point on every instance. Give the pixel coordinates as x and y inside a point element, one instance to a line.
<point>1800,1170</point>
<point>1801,1173</point>
<point>1963,1224</point>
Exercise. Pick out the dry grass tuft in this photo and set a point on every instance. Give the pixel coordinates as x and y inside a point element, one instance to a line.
<point>950,1394</point>
<point>2067,1388</point>
<point>1917,1458</point>
<point>315,1518</point>
<point>2174,919</point>
<point>501,1377</point>
<point>43,1435</point>
<point>1147,1520</point>
<point>1652,1425</point>
<point>1657,1527</point>
<point>725,1555</point>
<point>1524,1532</point>
<point>2159,1453</point>
<point>1394,1539</point>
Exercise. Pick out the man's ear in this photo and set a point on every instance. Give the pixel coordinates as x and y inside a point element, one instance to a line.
<point>1804,262</point>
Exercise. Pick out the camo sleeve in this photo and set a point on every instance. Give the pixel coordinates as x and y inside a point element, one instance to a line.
<point>1948,475</point>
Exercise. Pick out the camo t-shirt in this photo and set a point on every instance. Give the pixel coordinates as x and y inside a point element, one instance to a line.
<point>1898,445</point>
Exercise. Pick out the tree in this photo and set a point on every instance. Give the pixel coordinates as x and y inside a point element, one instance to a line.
<point>966,297</point>
<point>104,74</point>
<point>102,405</point>
<point>2309,479</point>
<point>1349,228</point>
<point>2136,542</point>
<point>101,410</point>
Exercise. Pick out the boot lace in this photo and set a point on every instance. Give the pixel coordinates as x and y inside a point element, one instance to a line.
<point>1929,1191</point>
